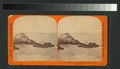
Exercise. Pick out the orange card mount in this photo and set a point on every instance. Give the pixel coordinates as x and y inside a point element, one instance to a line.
<point>57,40</point>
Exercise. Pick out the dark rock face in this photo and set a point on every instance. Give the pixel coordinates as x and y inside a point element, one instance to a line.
<point>45,45</point>
<point>63,39</point>
<point>60,48</point>
<point>23,39</point>
<point>67,39</point>
<point>16,48</point>
<point>93,45</point>
<point>90,45</point>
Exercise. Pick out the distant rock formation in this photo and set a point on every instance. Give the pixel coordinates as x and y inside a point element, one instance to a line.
<point>90,45</point>
<point>63,39</point>
<point>68,39</point>
<point>16,48</point>
<point>44,45</point>
<point>23,39</point>
<point>60,48</point>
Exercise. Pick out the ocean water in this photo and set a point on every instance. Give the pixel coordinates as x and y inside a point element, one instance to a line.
<point>74,53</point>
<point>30,53</point>
<point>70,53</point>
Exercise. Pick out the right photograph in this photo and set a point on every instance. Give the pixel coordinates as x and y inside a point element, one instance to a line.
<point>80,39</point>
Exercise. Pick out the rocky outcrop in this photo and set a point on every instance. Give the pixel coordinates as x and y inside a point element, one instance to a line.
<point>90,45</point>
<point>44,45</point>
<point>68,39</point>
<point>23,39</point>
<point>16,48</point>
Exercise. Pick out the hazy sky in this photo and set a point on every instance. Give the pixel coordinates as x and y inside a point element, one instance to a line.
<point>79,24</point>
<point>35,23</point>
<point>46,24</point>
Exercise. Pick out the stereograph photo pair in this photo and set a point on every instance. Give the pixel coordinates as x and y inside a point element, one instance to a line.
<point>62,40</point>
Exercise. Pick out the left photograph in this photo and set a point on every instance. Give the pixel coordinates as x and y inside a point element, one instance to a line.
<point>34,38</point>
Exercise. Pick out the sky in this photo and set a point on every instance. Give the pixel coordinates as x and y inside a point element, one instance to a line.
<point>46,24</point>
<point>35,23</point>
<point>79,24</point>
